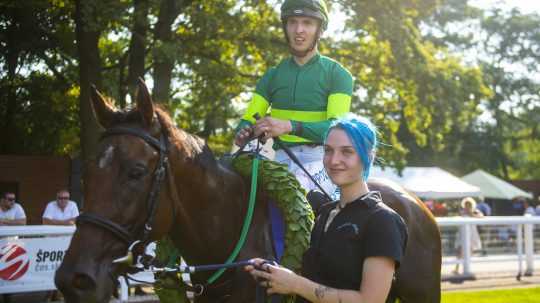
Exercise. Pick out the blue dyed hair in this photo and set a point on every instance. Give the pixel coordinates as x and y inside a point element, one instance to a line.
<point>363,135</point>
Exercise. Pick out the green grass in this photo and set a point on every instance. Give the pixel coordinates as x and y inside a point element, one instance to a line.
<point>516,295</point>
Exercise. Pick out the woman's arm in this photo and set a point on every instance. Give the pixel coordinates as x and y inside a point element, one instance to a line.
<point>376,282</point>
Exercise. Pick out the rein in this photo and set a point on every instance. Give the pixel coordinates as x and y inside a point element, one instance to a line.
<point>247,221</point>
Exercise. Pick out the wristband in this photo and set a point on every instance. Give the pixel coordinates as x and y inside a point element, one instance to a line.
<point>297,128</point>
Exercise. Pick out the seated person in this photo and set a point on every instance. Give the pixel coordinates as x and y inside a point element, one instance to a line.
<point>62,211</point>
<point>11,212</point>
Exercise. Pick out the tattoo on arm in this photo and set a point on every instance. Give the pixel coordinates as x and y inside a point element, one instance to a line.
<point>321,290</point>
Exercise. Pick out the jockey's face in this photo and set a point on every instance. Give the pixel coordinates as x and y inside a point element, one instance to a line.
<point>341,160</point>
<point>302,32</point>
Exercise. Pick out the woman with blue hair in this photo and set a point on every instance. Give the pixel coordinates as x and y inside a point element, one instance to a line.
<point>357,242</point>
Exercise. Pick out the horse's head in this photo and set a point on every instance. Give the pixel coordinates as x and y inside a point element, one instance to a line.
<point>122,185</point>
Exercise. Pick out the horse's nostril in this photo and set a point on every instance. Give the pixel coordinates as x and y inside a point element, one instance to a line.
<point>83,282</point>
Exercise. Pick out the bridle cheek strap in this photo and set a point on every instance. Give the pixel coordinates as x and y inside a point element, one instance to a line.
<point>119,231</point>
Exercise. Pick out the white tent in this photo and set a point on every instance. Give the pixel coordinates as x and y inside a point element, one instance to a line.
<point>429,182</point>
<point>493,187</point>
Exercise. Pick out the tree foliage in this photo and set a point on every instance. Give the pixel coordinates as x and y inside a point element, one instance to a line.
<point>415,90</point>
<point>504,44</point>
<point>439,78</point>
<point>38,112</point>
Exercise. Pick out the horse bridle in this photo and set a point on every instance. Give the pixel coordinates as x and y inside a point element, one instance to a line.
<point>128,236</point>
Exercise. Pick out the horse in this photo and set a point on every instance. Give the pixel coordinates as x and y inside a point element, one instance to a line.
<point>150,179</point>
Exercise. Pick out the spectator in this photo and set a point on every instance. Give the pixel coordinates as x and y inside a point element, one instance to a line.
<point>469,209</point>
<point>529,209</point>
<point>11,212</point>
<point>62,211</point>
<point>484,207</point>
<point>430,204</point>
<point>440,209</point>
<point>518,207</point>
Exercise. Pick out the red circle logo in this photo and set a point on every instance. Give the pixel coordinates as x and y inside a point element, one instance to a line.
<point>14,262</point>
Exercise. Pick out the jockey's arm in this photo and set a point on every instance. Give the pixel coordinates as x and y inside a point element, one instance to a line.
<point>258,105</point>
<point>338,105</point>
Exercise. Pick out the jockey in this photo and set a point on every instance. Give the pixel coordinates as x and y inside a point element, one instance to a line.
<point>298,97</point>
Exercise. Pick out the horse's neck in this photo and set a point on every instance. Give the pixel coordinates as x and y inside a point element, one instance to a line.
<point>212,198</point>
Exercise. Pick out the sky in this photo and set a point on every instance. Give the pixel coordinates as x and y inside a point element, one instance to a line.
<point>335,27</point>
<point>526,6</point>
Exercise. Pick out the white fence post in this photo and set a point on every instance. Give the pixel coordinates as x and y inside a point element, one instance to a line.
<point>466,249</point>
<point>529,249</point>
<point>519,242</point>
<point>124,289</point>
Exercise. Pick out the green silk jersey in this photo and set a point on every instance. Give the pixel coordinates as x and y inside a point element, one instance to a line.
<point>308,95</point>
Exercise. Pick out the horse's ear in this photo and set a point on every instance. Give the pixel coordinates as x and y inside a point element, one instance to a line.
<point>145,104</point>
<point>103,110</point>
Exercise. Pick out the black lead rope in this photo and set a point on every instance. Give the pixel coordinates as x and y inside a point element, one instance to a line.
<point>198,289</point>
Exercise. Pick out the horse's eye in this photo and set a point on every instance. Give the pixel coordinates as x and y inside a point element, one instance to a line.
<point>137,173</point>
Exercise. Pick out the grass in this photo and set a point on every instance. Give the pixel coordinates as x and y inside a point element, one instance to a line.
<point>516,295</point>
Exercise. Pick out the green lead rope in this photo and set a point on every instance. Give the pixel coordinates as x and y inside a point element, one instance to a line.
<point>247,221</point>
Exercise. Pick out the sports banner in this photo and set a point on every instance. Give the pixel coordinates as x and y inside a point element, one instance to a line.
<point>29,264</point>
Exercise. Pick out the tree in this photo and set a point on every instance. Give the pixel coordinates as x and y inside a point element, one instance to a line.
<point>37,112</point>
<point>504,44</point>
<point>414,73</point>
<point>415,90</point>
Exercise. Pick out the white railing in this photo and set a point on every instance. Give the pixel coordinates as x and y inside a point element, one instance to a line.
<point>43,247</point>
<point>522,225</point>
<point>36,230</point>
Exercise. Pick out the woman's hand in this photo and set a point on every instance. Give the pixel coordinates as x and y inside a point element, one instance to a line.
<point>275,278</point>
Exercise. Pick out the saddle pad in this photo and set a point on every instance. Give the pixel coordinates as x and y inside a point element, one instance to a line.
<point>277,223</point>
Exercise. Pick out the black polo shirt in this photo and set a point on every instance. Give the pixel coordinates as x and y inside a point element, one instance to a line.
<point>364,228</point>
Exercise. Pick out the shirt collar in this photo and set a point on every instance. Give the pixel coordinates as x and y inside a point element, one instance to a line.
<point>311,61</point>
<point>368,199</point>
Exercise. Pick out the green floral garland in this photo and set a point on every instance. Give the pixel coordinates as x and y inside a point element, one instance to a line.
<point>169,287</point>
<point>281,186</point>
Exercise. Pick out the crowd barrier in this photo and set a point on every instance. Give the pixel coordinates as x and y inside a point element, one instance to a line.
<point>522,238</point>
<point>30,255</point>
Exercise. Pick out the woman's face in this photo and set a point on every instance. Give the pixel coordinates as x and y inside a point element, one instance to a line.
<point>341,160</point>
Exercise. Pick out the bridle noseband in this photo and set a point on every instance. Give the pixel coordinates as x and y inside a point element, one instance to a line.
<point>129,237</point>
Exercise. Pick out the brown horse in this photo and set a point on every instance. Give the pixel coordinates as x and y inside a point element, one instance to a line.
<point>201,206</point>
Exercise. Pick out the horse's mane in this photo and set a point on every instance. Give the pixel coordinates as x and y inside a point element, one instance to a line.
<point>190,145</point>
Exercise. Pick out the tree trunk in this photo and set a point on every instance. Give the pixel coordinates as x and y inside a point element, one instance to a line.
<point>87,35</point>
<point>137,45</point>
<point>163,58</point>
<point>9,126</point>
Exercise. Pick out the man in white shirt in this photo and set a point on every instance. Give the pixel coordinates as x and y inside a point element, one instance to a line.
<point>62,211</point>
<point>11,213</point>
